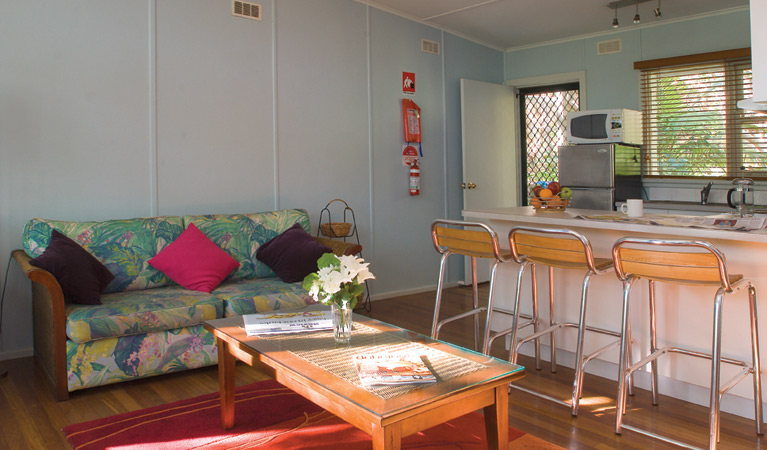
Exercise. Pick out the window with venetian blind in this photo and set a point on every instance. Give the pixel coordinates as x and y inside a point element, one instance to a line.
<point>692,125</point>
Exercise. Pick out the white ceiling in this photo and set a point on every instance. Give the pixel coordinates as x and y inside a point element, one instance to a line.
<point>507,24</point>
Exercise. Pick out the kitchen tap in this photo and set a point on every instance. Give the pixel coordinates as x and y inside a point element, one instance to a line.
<point>705,192</point>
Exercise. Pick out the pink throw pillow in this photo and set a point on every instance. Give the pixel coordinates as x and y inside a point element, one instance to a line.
<point>194,261</point>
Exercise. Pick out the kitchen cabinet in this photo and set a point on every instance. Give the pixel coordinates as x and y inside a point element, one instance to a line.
<point>758,14</point>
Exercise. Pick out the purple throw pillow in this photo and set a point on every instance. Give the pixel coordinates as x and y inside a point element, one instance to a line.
<point>81,276</point>
<point>292,255</point>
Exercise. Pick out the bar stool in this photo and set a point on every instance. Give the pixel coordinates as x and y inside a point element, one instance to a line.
<point>565,249</point>
<point>683,262</point>
<point>473,239</point>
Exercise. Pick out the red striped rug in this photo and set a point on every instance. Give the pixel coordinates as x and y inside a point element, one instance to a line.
<point>268,416</point>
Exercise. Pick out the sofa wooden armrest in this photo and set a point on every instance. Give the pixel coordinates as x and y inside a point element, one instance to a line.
<point>340,248</point>
<point>49,323</point>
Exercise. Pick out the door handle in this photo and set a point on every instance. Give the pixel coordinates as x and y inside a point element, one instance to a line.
<point>468,186</point>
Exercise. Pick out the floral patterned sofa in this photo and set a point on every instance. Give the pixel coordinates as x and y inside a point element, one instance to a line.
<point>147,324</point>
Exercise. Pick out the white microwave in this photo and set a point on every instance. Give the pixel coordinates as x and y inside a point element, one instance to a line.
<point>604,126</point>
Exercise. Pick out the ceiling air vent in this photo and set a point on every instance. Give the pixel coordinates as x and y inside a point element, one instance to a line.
<point>428,46</point>
<point>247,10</point>
<point>606,47</point>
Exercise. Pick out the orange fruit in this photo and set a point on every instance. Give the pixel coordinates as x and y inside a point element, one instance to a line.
<point>545,194</point>
<point>536,203</point>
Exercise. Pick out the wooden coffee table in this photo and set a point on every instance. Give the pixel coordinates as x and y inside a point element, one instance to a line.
<point>312,365</point>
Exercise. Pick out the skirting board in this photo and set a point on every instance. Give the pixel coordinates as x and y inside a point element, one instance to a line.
<point>16,354</point>
<point>403,292</point>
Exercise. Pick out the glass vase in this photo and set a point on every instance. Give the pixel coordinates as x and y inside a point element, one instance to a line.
<point>342,322</point>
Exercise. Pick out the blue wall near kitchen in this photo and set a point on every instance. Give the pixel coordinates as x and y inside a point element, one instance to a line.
<point>611,80</point>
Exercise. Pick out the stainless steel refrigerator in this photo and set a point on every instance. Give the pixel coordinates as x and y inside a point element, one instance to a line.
<point>600,174</point>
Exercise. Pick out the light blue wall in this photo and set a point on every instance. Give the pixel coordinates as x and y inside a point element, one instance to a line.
<point>117,110</point>
<point>611,80</point>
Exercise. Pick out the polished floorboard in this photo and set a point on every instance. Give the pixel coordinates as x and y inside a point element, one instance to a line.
<point>31,419</point>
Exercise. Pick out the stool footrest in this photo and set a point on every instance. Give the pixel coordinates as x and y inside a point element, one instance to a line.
<point>604,349</point>
<point>539,395</point>
<point>661,351</point>
<point>661,437</point>
<point>529,321</point>
<point>461,316</point>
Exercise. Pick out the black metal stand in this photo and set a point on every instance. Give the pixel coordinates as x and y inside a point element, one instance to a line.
<point>329,231</point>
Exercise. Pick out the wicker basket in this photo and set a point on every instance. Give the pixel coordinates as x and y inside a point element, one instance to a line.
<point>336,229</point>
<point>552,204</point>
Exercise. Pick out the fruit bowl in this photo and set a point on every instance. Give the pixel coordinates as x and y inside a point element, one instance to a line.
<point>555,203</point>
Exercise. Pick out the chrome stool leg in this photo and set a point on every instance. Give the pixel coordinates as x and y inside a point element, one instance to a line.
<point>514,325</point>
<point>653,342</point>
<point>475,303</point>
<point>552,336</point>
<point>535,316</point>
<point>713,429</point>
<point>440,283</point>
<point>578,379</point>
<point>623,365</point>
<point>758,413</point>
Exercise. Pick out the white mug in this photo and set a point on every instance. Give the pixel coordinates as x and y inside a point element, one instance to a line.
<point>633,207</point>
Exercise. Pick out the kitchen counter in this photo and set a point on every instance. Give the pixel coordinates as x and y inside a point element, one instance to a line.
<point>578,218</point>
<point>684,378</point>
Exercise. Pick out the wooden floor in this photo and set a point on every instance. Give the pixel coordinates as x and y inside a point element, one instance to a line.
<point>31,419</point>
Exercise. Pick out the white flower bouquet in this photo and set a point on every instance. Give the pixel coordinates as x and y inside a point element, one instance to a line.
<point>338,280</point>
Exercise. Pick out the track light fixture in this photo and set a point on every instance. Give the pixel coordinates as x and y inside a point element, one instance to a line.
<point>615,5</point>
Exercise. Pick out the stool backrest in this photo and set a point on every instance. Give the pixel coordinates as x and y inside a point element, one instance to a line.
<point>678,261</point>
<point>556,247</point>
<point>472,239</point>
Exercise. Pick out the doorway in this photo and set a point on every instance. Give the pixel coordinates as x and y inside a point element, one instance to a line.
<point>543,110</point>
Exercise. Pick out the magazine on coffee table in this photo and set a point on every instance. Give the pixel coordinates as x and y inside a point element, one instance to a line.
<point>393,369</point>
<point>287,322</point>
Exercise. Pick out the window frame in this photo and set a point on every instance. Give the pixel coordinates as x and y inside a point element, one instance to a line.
<point>733,61</point>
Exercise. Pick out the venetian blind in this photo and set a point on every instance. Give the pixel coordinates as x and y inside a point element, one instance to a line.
<point>692,125</point>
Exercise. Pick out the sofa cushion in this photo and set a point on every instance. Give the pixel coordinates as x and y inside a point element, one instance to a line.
<point>81,276</point>
<point>111,360</point>
<point>292,255</point>
<point>261,295</point>
<point>193,261</point>
<point>123,246</point>
<point>240,235</point>
<point>137,312</point>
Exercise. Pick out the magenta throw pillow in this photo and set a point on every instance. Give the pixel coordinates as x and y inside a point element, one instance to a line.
<point>292,255</point>
<point>194,261</point>
<point>81,276</point>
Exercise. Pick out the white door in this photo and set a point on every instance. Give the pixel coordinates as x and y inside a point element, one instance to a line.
<point>490,152</point>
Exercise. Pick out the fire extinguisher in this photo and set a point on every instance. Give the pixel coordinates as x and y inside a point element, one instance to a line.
<point>415,179</point>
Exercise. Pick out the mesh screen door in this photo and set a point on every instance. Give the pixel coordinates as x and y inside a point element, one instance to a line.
<point>544,109</point>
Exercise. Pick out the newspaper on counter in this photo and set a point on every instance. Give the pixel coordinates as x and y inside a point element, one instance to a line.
<point>719,222</point>
<point>393,369</point>
<point>287,322</point>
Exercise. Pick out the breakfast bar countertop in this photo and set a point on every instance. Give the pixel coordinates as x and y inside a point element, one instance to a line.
<point>612,220</point>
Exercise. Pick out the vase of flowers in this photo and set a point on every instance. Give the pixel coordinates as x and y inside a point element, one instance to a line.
<point>338,283</point>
